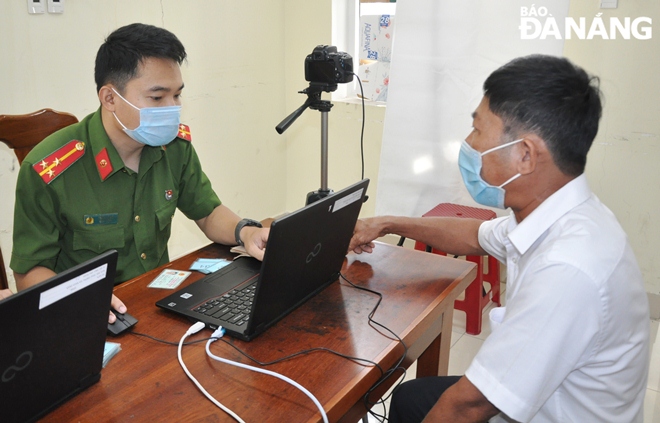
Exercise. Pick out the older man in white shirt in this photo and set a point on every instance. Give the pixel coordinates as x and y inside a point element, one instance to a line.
<point>572,343</point>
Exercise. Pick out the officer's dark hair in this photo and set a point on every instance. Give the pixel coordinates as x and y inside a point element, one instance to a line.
<point>122,52</point>
<point>552,98</point>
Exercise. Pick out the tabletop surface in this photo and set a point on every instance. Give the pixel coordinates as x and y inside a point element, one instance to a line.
<point>145,382</point>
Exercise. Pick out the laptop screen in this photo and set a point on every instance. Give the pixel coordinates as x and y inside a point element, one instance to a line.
<point>52,338</point>
<point>304,253</point>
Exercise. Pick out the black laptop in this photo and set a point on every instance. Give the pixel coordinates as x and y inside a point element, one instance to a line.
<point>304,254</point>
<point>52,339</point>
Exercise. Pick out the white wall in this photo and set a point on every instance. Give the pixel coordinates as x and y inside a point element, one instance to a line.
<point>232,101</point>
<point>622,166</point>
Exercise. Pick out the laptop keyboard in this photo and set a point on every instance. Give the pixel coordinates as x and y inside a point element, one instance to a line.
<point>233,307</point>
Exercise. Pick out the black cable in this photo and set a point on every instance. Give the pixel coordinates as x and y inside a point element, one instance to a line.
<point>357,360</point>
<point>391,371</point>
<point>363,119</point>
<point>162,341</point>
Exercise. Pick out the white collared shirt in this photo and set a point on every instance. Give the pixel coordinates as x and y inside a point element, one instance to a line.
<point>572,343</point>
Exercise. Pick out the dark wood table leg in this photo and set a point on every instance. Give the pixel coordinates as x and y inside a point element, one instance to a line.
<point>434,361</point>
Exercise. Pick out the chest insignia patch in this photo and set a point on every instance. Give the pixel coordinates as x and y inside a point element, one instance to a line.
<point>53,165</point>
<point>168,194</point>
<point>101,219</point>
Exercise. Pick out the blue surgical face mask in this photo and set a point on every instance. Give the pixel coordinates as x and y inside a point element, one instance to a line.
<point>158,125</point>
<point>469,163</point>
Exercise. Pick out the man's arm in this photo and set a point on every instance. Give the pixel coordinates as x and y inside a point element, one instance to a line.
<point>449,234</point>
<point>219,227</point>
<point>32,277</point>
<point>462,403</point>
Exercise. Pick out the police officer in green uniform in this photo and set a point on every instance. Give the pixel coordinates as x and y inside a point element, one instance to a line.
<point>114,180</point>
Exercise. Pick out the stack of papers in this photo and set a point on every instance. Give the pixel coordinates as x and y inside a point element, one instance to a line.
<point>207,266</point>
<point>240,250</point>
<point>111,348</point>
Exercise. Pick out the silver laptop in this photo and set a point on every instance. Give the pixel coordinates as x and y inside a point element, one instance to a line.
<point>52,339</point>
<point>304,254</point>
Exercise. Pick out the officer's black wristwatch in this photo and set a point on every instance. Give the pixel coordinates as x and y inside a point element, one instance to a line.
<point>243,223</point>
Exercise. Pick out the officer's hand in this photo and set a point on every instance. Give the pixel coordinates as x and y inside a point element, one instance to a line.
<point>118,305</point>
<point>255,240</point>
<point>5,293</point>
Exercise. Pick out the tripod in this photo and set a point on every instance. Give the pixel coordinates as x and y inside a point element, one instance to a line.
<point>314,102</point>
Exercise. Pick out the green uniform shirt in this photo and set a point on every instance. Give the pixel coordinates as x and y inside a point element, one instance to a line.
<point>97,204</point>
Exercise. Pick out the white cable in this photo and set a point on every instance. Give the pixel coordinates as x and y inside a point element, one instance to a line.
<point>194,329</point>
<point>221,331</point>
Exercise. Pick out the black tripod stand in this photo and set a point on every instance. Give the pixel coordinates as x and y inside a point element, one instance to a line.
<point>314,102</point>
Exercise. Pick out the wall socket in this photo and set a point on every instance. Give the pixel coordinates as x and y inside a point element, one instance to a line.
<point>36,7</point>
<point>55,6</point>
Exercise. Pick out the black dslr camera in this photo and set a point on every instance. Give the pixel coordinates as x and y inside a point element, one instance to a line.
<point>326,67</point>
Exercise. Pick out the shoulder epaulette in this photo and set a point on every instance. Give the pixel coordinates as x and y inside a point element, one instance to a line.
<point>184,132</point>
<point>51,166</point>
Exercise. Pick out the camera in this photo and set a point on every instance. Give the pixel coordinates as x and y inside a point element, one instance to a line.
<point>327,67</point>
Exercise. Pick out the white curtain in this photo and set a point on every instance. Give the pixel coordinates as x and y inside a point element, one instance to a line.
<point>443,51</point>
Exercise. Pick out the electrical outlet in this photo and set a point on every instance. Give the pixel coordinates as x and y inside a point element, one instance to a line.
<point>36,7</point>
<point>55,6</point>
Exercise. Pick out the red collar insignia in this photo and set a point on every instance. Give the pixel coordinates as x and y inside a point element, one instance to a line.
<point>103,164</point>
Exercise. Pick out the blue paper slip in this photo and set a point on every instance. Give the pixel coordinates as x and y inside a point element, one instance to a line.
<point>111,348</point>
<point>207,266</point>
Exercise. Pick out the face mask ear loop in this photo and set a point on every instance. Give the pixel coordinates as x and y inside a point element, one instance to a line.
<point>128,102</point>
<point>498,147</point>
<point>122,125</point>
<point>511,179</point>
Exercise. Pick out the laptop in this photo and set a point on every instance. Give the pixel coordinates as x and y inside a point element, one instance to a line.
<point>304,254</point>
<point>52,339</point>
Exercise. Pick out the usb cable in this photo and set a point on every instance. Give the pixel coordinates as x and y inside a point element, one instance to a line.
<point>192,330</point>
<point>220,333</point>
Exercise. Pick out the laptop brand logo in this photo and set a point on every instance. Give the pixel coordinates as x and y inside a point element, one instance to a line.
<point>22,362</point>
<point>314,253</point>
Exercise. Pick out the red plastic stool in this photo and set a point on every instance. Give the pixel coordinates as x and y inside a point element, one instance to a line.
<point>476,297</point>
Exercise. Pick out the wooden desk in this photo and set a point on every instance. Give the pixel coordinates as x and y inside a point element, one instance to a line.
<point>145,383</point>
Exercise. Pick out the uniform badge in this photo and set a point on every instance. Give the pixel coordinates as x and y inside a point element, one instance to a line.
<point>103,164</point>
<point>184,132</point>
<point>168,194</point>
<point>51,166</point>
